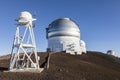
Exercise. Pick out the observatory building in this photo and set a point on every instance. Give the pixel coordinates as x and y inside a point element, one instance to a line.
<point>111,52</point>
<point>83,46</point>
<point>63,34</point>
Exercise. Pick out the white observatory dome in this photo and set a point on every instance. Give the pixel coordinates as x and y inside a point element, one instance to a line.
<point>25,17</point>
<point>63,34</point>
<point>63,27</point>
<point>111,52</point>
<point>82,43</point>
<point>83,46</point>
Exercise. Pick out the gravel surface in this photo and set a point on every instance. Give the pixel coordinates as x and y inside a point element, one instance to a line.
<point>90,66</point>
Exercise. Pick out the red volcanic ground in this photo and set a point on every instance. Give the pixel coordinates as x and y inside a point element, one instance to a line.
<point>90,66</point>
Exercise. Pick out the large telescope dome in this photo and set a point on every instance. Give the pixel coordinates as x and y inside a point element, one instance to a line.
<point>63,27</point>
<point>63,34</point>
<point>63,23</point>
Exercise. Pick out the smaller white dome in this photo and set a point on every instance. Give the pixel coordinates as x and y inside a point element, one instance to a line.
<point>83,46</point>
<point>111,52</point>
<point>82,43</point>
<point>25,17</point>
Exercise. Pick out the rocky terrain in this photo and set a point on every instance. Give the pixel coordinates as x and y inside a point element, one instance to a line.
<point>90,66</point>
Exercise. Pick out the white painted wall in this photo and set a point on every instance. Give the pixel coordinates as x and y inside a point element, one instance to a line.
<point>64,43</point>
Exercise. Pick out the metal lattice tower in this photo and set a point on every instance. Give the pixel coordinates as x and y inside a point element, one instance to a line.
<point>24,53</point>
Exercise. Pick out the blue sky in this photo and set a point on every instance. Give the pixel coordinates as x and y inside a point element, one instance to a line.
<point>99,21</point>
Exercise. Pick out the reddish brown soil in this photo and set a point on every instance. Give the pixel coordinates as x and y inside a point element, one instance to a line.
<point>90,66</point>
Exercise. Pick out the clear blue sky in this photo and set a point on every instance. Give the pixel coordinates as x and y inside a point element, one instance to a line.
<point>99,21</point>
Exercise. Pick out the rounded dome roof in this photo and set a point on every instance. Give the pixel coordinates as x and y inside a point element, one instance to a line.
<point>63,24</point>
<point>82,43</point>
<point>26,15</point>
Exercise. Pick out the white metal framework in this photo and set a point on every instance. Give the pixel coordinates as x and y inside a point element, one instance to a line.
<point>24,53</point>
